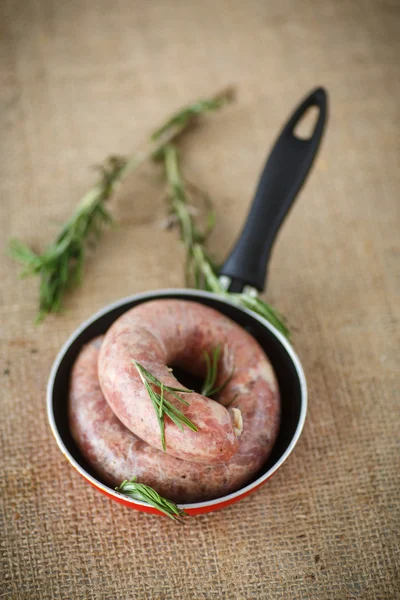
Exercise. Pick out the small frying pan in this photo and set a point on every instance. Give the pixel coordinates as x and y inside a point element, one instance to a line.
<point>245,269</point>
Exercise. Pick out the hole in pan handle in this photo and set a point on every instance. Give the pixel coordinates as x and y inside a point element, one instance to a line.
<point>284,173</point>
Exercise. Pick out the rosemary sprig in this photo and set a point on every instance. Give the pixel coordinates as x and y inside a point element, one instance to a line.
<point>201,268</point>
<point>161,405</point>
<point>212,361</point>
<point>60,266</point>
<point>145,493</point>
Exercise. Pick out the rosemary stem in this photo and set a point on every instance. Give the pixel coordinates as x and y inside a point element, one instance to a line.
<point>204,266</point>
<point>172,167</point>
<point>197,259</point>
<point>178,196</point>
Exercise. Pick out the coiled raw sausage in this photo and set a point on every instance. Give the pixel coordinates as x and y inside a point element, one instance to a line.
<point>117,454</point>
<point>164,333</point>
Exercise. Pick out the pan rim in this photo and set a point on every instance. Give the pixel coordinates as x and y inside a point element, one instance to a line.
<point>141,296</point>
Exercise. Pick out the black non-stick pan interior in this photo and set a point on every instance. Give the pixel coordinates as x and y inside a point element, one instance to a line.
<point>282,362</point>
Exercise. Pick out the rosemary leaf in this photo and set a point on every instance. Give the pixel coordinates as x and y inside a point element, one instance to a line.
<point>207,385</point>
<point>223,385</point>
<point>144,493</point>
<point>212,370</point>
<point>231,401</point>
<point>160,412</point>
<point>209,388</point>
<point>264,310</point>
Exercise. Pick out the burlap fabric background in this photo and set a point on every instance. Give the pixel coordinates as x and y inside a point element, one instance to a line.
<point>82,79</point>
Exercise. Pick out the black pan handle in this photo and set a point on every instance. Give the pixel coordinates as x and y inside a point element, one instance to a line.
<point>285,172</point>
